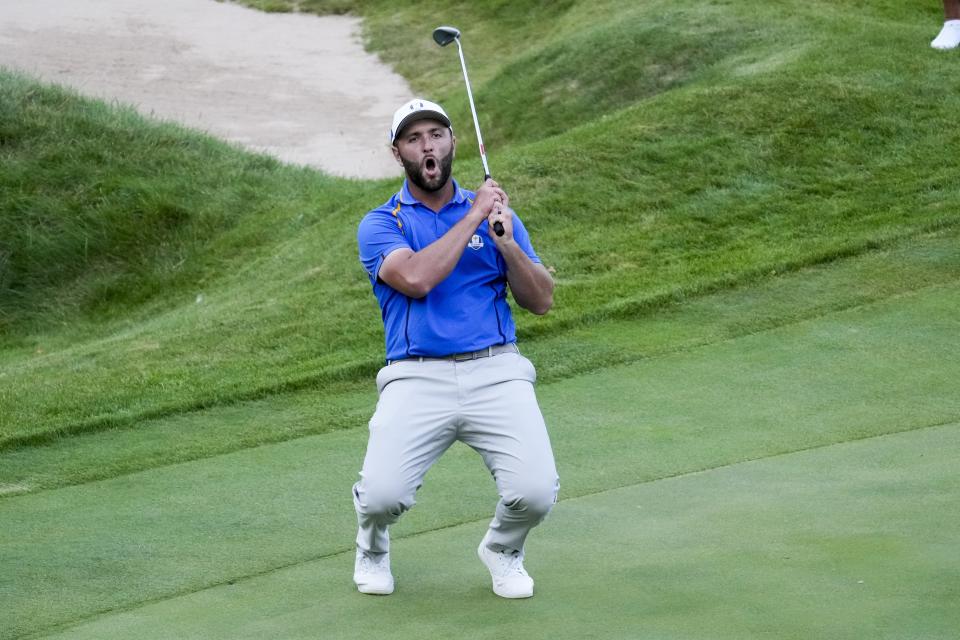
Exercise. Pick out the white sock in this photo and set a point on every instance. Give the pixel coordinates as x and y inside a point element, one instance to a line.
<point>949,36</point>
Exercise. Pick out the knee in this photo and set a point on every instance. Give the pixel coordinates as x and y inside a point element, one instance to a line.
<point>382,499</point>
<point>535,499</point>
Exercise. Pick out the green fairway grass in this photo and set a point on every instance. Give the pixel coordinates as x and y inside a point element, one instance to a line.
<point>750,373</point>
<point>126,541</point>
<point>852,541</point>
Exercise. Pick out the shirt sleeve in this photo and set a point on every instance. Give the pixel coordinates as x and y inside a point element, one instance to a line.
<point>522,238</point>
<point>378,235</point>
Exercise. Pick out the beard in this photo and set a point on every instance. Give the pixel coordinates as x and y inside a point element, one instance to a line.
<point>415,173</point>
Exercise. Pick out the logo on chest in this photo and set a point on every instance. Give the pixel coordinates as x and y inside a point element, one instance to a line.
<point>476,242</point>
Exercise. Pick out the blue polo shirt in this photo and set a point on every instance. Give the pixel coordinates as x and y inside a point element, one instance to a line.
<point>468,310</point>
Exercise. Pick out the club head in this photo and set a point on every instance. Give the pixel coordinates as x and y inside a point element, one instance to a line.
<point>445,35</point>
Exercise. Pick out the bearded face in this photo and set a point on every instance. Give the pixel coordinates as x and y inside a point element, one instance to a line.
<point>430,173</point>
<point>425,149</point>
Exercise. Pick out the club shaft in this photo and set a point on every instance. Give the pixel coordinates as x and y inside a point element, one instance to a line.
<point>497,226</point>
<point>473,110</point>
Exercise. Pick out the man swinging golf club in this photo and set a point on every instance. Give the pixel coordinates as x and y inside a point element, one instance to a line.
<point>453,372</point>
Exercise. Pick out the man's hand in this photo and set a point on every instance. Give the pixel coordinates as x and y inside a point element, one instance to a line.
<point>504,216</point>
<point>494,202</point>
<point>490,198</point>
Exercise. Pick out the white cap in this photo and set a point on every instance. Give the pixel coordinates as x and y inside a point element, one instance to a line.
<point>417,109</point>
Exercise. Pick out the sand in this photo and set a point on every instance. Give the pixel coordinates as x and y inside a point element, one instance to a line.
<point>297,86</point>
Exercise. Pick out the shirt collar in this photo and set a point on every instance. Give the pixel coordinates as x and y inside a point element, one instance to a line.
<point>459,195</point>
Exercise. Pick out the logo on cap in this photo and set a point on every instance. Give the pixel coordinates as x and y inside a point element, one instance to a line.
<point>417,109</point>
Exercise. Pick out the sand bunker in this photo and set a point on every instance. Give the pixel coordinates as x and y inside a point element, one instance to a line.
<point>297,86</point>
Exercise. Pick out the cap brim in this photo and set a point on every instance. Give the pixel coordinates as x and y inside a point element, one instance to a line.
<point>421,115</point>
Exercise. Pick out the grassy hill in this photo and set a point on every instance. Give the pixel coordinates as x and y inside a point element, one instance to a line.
<point>657,151</point>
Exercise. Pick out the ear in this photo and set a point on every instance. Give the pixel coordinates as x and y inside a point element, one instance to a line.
<point>396,154</point>
<point>453,140</point>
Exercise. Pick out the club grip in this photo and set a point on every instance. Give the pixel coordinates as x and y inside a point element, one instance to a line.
<point>497,226</point>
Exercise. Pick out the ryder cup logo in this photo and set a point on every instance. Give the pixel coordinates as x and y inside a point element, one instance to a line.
<point>476,242</point>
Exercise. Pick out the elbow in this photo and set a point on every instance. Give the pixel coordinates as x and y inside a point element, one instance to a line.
<point>416,288</point>
<point>401,274</point>
<point>542,306</point>
<point>418,293</point>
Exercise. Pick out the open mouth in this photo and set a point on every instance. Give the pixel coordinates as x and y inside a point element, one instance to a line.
<point>431,168</point>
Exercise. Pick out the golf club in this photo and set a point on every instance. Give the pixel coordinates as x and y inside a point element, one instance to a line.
<point>444,36</point>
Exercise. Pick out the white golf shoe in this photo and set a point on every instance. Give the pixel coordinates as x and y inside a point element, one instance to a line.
<point>372,574</point>
<point>949,36</point>
<point>510,579</point>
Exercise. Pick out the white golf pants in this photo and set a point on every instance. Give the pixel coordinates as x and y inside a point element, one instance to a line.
<point>424,407</point>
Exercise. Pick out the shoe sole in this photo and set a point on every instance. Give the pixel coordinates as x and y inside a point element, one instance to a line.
<point>375,592</point>
<point>513,597</point>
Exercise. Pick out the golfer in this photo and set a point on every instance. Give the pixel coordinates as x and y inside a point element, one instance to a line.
<point>453,370</point>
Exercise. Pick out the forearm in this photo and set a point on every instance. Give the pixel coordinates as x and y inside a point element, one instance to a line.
<point>415,274</point>
<point>530,283</point>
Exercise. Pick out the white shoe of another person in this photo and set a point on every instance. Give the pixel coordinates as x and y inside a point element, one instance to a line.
<point>372,574</point>
<point>510,579</point>
<point>949,36</point>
